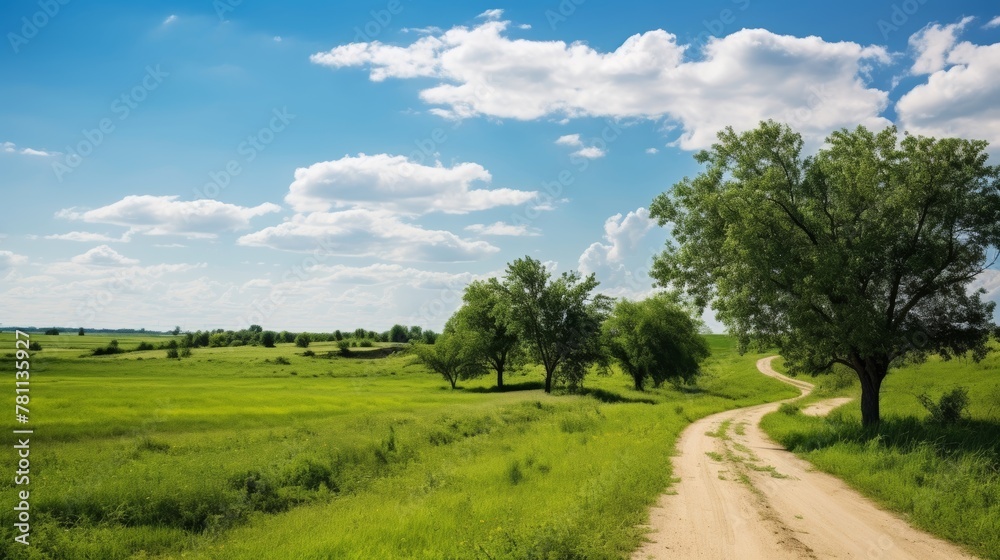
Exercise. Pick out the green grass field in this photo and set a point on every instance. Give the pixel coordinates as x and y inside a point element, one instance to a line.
<point>229,454</point>
<point>944,479</point>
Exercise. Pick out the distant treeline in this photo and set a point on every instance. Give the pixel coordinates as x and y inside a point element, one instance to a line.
<point>255,335</point>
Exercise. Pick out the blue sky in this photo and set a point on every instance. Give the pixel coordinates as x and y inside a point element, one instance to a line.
<point>317,165</point>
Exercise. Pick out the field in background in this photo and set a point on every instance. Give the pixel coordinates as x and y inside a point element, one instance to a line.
<point>944,479</point>
<point>232,453</point>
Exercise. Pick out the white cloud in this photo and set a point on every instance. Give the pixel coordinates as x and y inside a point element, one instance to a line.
<point>741,79</point>
<point>170,19</point>
<point>8,261</point>
<point>590,152</point>
<point>502,228</point>
<point>932,44</point>
<point>621,235</point>
<point>165,215</point>
<point>959,97</point>
<point>524,26</point>
<point>995,22</point>
<point>88,237</point>
<point>277,38</point>
<point>362,232</point>
<point>385,182</point>
<point>493,14</point>
<point>102,255</point>
<point>569,140</point>
<point>652,150</point>
<point>11,148</point>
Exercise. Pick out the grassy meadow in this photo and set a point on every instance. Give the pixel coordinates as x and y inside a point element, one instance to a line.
<point>233,453</point>
<point>942,478</point>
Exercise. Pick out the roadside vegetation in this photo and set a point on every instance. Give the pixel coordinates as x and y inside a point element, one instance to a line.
<point>940,471</point>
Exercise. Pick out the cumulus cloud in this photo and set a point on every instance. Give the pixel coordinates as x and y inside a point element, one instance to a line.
<point>11,148</point>
<point>102,255</point>
<point>590,152</point>
<point>363,232</point>
<point>165,215</point>
<point>652,150</point>
<point>493,14</point>
<point>621,235</point>
<point>959,96</point>
<point>932,44</point>
<point>8,261</point>
<point>396,183</point>
<point>502,228</point>
<point>569,140</point>
<point>88,237</point>
<point>995,22</point>
<point>739,80</point>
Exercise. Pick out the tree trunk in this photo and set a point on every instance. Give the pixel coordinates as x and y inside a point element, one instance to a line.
<point>500,378</point>
<point>548,381</point>
<point>871,372</point>
<point>638,382</point>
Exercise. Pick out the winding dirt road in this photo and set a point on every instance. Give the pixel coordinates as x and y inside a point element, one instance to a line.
<point>742,496</point>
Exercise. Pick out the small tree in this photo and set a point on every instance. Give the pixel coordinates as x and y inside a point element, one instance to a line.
<point>399,333</point>
<point>52,331</point>
<point>452,357</point>
<point>176,331</point>
<point>484,314</point>
<point>338,336</point>
<point>80,332</point>
<point>560,320</point>
<point>303,340</point>
<point>267,339</point>
<point>655,339</point>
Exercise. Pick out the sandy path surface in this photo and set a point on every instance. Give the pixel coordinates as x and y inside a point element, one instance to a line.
<point>742,496</point>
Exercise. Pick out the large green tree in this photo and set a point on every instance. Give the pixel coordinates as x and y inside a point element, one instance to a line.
<point>657,339</point>
<point>559,319</point>
<point>484,313</point>
<point>860,255</point>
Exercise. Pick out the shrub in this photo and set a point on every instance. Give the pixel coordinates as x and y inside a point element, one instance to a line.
<point>172,353</point>
<point>282,361</point>
<point>185,352</point>
<point>949,409</point>
<point>309,473</point>
<point>789,409</point>
<point>365,343</point>
<point>52,332</point>
<point>309,353</point>
<point>144,346</point>
<point>302,340</point>
<point>344,347</point>
<point>34,346</point>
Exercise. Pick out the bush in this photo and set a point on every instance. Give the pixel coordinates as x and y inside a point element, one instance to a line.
<point>789,409</point>
<point>52,332</point>
<point>345,347</point>
<point>185,352</point>
<point>282,361</point>
<point>309,353</point>
<point>172,353</point>
<point>144,346</point>
<point>302,340</point>
<point>365,343</point>
<point>268,338</point>
<point>949,409</point>
<point>34,346</point>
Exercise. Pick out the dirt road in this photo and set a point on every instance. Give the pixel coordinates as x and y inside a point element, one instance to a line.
<point>742,496</point>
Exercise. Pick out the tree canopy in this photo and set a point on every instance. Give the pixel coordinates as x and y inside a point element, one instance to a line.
<point>655,339</point>
<point>859,255</point>
<point>484,312</point>
<point>559,319</point>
